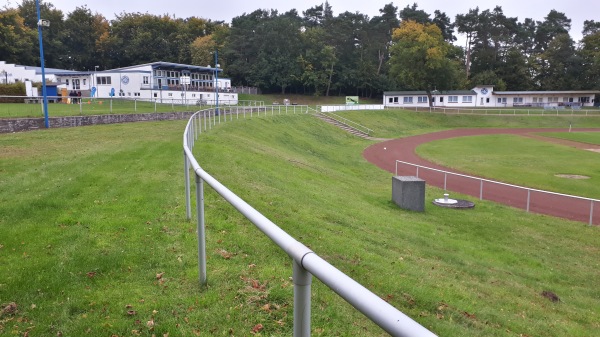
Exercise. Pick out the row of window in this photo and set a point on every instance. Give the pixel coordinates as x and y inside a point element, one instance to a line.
<point>424,99</point>
<point>177,74</point>
<point>469,99</point>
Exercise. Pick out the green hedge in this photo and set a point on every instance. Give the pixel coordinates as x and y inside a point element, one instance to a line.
<point>15,89</point>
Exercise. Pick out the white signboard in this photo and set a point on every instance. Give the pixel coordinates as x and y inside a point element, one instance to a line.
<point>184,80</point>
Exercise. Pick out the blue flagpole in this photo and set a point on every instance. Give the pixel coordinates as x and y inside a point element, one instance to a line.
<point>44,93</point>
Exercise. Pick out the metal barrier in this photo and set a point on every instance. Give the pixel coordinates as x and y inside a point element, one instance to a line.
<point>346,121</point>
<point>69,106</point>
<point>517,111</point>
<point>561,205</point>
<point>304,261</point>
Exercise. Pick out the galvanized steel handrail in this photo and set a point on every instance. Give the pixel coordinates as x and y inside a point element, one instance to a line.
<point>305,262</point>
<point>347,122</point>
<point>481,180</point>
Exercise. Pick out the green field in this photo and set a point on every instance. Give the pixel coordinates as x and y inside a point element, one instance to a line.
<point>582,137</point>
<point>517,160</point>
<point>94,241</point>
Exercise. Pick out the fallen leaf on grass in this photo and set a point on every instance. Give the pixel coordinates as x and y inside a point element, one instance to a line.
<point>257,328</point>
<point>131,312</point>
<point>91,274</point>
<point>9,309</point>
<point>225,254</point>
<point>159,275</point>
<point>471,316</point>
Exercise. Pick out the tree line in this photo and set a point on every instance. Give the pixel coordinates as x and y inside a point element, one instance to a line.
<point>319,53</point>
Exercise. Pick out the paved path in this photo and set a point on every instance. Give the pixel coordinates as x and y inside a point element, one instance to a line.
<point>385,154</point>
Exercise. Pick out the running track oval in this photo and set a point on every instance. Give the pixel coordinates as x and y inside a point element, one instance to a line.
<point>385,154</point>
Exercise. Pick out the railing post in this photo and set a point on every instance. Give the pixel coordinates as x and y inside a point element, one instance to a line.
<point>528,199</point>
<point>592,212</point>
<point>200,229</point>
<point>445,179</point>
<point>302,280</point>
<point>186,167</point>
<point>417,172</point>
<point>481,189</point>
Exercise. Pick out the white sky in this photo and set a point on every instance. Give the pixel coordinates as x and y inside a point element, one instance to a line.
<point>576,10</point>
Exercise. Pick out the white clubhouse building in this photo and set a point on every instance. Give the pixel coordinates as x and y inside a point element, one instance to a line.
<point>157,81</point>
<point>484,96</point>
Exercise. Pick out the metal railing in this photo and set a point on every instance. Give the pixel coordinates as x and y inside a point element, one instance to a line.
<point>556,204</point>
<point>305,263</point>
<point>69,106</point>
<point>347,122</point>
<point>516,111</point>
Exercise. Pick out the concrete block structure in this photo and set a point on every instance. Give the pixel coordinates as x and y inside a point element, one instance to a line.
<point>409,193</point>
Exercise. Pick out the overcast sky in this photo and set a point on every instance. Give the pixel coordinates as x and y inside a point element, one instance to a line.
<point>576,10</point>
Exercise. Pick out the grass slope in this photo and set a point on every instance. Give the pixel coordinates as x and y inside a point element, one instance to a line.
<point>91,218</point>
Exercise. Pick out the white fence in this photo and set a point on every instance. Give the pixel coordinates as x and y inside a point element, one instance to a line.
<point>305,263</point>
<point>518,111</point>
<point>351,107</point>
<point>532,200</point>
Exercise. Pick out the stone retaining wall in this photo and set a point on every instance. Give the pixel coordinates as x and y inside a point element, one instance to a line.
<point>8,125</point>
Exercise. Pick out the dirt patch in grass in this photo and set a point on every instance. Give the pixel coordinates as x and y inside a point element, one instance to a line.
<point>571,176</point>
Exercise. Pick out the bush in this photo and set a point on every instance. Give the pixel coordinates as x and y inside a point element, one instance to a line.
<point>15,89</point>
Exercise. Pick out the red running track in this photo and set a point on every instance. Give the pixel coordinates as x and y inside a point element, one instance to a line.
<point>385,154</point>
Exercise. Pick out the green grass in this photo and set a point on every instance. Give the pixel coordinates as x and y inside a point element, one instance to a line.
<point>582,137</point>
<point>402,123</point>
<point>519,160</point>
<point>89,107</point>
<point>89,216</point>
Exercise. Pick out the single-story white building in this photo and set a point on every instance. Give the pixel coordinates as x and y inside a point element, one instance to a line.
<point>157,81</point>
<point>485,96</point>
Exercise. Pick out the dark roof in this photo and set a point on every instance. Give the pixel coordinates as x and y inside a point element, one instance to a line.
<point>169,65</point>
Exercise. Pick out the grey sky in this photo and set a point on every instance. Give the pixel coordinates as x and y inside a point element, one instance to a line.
<point>576,10</point>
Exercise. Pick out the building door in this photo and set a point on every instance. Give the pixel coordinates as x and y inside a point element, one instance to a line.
<point>481,101</point>
<point>76,84</point>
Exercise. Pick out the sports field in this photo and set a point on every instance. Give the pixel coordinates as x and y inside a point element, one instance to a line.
<point>94,241</point>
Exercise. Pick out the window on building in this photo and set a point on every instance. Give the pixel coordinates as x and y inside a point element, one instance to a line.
<point>136,94</point>
<point>433,99</point>
<point>467,99</point>
<point>84,81</point>
<point>422,99</point>
<point>155,95</point>
<point>396,99</point>
<point>487,100</point>
<point>67,82</point>
<point>452,99</point>
<point>407,100</point>
<point>146,79</point>
<point>391,100</point>
<point>441,99</point>
<point>535,100</point>
<point>517,99</point>
<point>170,95</point>
<point>502,100</point>
<point>584,99</point>
<point>103,80</point>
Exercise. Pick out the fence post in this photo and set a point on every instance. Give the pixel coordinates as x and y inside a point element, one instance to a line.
<point>417,172</point>
<point>445,179</point>
<point>111,105</point>
<point>591,212</point>
<point>528,199</point>
<point>302,281</point>
<point>200,229</point>
<point>135,105</point>
<point>186,166</point>
<point>481,189</point>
